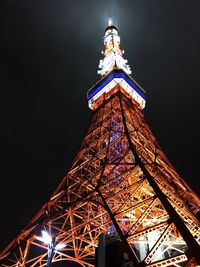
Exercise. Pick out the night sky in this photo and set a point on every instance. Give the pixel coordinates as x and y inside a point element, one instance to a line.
<point>50,55</point>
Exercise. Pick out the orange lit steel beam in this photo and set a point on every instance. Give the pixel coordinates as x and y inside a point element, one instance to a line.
<point>187,236</point>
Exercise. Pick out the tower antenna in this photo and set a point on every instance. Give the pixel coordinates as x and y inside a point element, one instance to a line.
<point>110,22</point>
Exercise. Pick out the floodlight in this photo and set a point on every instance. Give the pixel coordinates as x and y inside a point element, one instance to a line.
<point>47,239</point>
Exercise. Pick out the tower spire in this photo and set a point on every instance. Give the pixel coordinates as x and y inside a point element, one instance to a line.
<point>112,52</point>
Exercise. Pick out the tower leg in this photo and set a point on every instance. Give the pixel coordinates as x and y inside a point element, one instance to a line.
<point>192,244</point>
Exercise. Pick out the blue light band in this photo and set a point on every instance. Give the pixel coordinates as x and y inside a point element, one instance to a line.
<point>112,76</point>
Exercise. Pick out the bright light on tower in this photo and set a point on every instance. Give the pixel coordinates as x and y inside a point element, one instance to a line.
<point>47,239</point>
<point>110,22</point>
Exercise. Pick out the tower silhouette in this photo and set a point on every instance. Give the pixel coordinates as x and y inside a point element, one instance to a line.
<point>120,182</point>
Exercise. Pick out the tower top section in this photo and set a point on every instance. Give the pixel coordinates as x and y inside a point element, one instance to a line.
<point>113,54</point>
<point>114,72</point>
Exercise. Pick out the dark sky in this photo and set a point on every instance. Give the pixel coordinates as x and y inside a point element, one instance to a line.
<point>50,54</point>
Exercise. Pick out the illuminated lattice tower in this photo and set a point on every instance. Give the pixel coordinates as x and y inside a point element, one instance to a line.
<point>120,182</point>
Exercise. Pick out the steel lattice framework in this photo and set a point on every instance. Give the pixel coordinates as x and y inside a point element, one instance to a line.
<point>120,181</point>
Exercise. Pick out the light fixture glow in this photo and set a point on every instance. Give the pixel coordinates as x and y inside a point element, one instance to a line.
<point>110,22</point>
<point>60,246</point>
<point>47,239</point>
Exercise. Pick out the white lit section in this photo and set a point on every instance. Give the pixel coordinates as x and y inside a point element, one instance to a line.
<point>133,93</point>
<point>113,61</point>
<point>113,55</point>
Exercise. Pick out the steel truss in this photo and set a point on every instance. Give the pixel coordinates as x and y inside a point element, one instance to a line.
<point>120,181</point>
